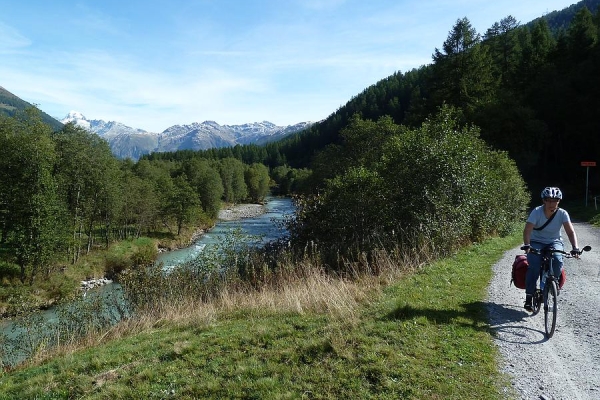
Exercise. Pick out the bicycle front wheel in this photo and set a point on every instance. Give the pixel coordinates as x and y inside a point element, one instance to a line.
<point>550,307</point>
<point>538,299</point>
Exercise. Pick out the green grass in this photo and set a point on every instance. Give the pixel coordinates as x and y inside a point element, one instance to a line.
<point>425,336</point>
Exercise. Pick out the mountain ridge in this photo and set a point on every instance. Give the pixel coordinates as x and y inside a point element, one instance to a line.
<point>128,142</point>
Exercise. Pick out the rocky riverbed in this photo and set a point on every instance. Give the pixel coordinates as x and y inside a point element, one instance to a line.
<point>239,211</point>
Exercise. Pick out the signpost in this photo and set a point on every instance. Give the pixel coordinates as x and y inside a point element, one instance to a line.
<point>587,164</point>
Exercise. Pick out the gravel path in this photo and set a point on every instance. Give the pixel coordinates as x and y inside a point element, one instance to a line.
<point>567,366</point>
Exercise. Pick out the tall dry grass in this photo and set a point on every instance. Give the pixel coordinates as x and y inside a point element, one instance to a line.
<point>304,286</point>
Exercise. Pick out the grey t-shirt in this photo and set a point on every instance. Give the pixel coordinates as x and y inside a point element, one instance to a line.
<point>551,233</point>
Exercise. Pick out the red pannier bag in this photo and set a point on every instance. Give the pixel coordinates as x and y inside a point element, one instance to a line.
<point>519,271</point>
<point>562,278</point>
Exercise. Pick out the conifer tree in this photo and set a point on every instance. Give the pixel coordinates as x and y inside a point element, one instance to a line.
<point>463,69</point>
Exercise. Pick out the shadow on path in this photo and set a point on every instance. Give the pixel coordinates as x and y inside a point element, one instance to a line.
<point>507,324</point>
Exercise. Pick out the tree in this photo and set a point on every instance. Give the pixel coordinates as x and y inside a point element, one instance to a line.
<point>502,41</point>
<point>232,176</point>
<point>361,145</point>
<point>206,181</point>
<point>582,35</point>
<point>463,75</point>
<point>184,202</point>
<point>31,211</point>
<point>257,180</point>
<point>536,44</point>
<point>87,172</point>
<point>139,209</point>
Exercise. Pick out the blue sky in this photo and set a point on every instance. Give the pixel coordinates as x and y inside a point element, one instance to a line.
<point>153,64</point>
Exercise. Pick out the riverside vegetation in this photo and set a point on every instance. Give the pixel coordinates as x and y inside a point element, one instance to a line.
<point>415,330</point>
<point>408,195</point>
<point>321,286</point>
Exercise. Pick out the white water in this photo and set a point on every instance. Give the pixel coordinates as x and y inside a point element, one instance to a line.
<point>264,228</point>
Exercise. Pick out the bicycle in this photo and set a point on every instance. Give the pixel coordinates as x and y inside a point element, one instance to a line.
<point>548,294</point>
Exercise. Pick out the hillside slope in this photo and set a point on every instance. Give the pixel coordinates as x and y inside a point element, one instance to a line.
<point>11,104</point>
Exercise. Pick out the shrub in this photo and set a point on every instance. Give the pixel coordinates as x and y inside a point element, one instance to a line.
<point>444,180</point>
<point>9,271</point>
<point>439,186</point>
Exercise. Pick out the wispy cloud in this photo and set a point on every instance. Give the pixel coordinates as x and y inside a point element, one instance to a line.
<point>11,38</point>
<point>155,64</point>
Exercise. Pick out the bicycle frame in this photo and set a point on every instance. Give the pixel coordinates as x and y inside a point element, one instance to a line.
<point>548,289</point>
<point>546,268</point>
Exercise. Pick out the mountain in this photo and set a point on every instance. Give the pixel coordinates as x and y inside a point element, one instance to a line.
<point>124,141</point>
<point>101,128</point>
<point>127,142</point>
<point>11,104</point>
<point>560,20</point>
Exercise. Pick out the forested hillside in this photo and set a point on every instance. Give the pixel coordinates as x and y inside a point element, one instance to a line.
<point>532,89</point>
<point>10,105</point>
<point>559,20</point>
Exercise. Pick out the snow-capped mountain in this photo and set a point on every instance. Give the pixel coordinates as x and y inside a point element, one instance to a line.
<point>100,127</point>
<point>127,142</point>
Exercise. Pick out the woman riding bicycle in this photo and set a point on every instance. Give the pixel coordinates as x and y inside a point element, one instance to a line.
<point>542,229</point>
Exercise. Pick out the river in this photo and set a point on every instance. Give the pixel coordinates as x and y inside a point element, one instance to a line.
<point>15,336</point>
<point>264,228</point>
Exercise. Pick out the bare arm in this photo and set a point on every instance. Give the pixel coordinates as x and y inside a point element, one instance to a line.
<point>571,234</point>
<point>527,233</point>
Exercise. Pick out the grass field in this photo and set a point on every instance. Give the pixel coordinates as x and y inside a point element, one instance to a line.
<point>417,335</point>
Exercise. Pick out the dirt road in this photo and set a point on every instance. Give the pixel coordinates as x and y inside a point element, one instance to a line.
<point>567,366</point>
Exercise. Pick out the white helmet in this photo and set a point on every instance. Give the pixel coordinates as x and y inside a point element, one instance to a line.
<point>552,193</point>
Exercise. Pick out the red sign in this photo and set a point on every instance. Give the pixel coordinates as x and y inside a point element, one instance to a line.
<point>588,163</point>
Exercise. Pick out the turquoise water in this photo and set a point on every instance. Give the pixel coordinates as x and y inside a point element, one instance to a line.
<point>262,229</point>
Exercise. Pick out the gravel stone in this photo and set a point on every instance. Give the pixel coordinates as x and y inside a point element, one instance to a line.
<point>239,211</point>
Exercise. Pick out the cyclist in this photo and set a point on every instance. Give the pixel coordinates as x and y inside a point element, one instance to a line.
<point>543,228</point>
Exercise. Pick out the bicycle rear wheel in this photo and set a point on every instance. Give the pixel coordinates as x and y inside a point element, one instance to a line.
<point>550,307</point>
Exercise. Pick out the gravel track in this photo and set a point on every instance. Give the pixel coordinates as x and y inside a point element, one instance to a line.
<point>567,366</point>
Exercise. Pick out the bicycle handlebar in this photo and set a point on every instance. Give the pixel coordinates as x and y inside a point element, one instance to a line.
<point>551,250</point>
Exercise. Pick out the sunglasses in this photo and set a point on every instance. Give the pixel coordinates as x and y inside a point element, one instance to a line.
<point>552,200</point>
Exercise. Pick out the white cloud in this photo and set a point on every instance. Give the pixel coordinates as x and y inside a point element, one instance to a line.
<point>11,39</point>
<point>151,67</point>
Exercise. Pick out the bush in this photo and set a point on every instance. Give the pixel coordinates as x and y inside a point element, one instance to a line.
<point>116,264</point>
<point>58,286</point>
<point>439,186</point>
<point>9,271</point>
<point>444,180</point>
<point>139,252</point>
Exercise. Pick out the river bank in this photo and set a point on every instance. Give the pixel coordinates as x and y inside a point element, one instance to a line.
<point>235,212</point>
<point>230,212</point>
